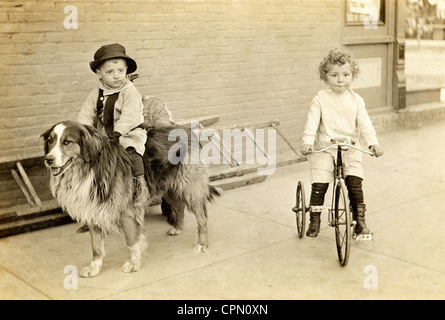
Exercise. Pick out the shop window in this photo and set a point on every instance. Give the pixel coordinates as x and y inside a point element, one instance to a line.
<point>365,12</point>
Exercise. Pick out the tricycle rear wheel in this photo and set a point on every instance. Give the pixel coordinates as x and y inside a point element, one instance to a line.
<point>300,210</point>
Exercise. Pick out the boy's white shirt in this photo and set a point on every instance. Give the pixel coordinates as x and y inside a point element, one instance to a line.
<point>338,117</point>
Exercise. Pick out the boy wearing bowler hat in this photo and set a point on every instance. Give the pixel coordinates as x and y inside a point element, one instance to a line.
<point>115,108</point>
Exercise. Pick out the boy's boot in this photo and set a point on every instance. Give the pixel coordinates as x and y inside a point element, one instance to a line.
<point>83,229</point>
<point>316,203</point>
<point>141,193</point>
<point>314,222</point>
<point>359,216</point>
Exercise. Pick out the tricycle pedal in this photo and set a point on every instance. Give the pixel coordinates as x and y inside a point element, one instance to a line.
<point>364,237</point>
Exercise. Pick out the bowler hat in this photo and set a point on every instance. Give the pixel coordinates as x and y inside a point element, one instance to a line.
<point>111,51</point>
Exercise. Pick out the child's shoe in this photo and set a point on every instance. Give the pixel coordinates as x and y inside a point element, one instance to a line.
<point>359,216</point>
<point>83,229</point>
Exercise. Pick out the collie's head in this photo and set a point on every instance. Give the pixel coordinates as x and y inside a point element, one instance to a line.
<point>66,144</point>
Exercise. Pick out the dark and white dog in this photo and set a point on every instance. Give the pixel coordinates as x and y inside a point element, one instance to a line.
<point>92,181</point>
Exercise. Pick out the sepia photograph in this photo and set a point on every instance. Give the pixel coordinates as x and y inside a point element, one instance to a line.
<point>222,155</point>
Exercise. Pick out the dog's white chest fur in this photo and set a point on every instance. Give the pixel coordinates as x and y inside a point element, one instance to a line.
<point>75,192</point>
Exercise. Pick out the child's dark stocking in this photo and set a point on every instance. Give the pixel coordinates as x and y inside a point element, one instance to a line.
<point>316,202</point>
<point>141,193</point>
<point>356,199</point>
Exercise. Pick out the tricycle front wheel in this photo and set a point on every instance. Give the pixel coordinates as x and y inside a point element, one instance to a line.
<point>342,222</point>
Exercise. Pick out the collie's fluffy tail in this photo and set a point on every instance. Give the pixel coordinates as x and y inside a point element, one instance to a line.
<point>214,192</point>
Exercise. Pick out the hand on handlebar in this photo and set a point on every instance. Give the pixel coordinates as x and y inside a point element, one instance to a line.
<point>376,149</point>
<point>306,149</point>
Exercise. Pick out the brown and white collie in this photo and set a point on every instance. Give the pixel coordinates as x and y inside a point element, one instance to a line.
<point>91,179</point>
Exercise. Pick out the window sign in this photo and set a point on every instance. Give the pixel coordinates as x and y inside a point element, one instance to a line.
<point>365,12</point>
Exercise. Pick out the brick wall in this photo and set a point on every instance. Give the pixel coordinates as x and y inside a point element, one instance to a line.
<point>245,60</point>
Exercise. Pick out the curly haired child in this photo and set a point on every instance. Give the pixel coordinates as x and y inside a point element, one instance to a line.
<point>337,114</point>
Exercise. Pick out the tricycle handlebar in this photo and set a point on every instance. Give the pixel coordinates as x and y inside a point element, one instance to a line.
<point>339,144</point>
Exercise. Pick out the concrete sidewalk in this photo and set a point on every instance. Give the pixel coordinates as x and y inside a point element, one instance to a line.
<point>254,251</point>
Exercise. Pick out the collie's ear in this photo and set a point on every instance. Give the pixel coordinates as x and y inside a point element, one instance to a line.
<point>45,137</point>
<point>90,143</point>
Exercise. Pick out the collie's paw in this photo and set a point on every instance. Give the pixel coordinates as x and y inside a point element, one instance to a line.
<point>91,271</point>
<point>174,232</point>
<point>200,248</point>
<point>129,267</point>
